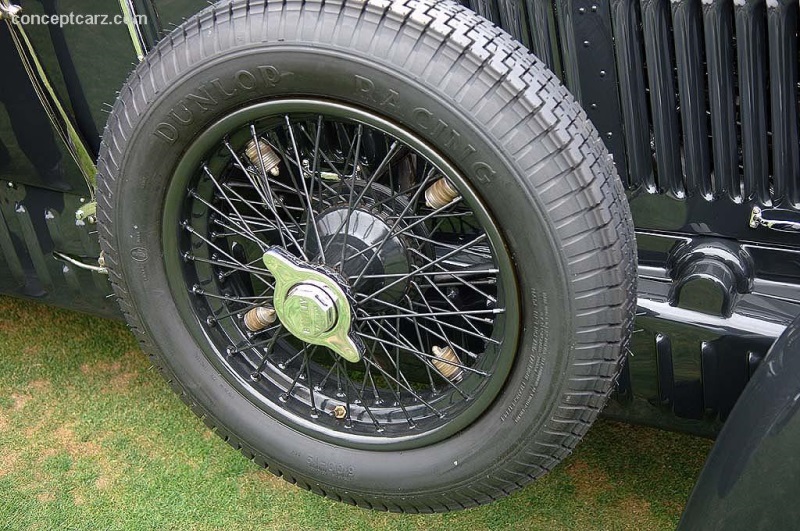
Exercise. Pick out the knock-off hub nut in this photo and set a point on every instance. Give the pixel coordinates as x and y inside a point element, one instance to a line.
<point>312,304</point>
<point>309,310</point>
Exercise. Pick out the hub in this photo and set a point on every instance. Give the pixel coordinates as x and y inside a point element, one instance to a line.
<point>309,310</point>
<point>312,304</point>
<point>363,243</point>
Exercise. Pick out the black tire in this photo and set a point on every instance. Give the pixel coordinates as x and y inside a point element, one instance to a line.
<point>506,124</point>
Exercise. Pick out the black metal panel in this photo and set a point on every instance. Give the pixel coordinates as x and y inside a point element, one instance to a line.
<point>87,62</point>
<point>34,247</point>
<point>726,370</point>
<point>718,23</point>
<point>15,276</point>
<point>682,395</point>
<point>566,37</point>
<point>689,58</point>
<point>721,116</point>
<point>666,375</point>
<point>587,47</point>
<point>751,39</point>
<point>782,29</point>
<point>30,151</point>
<point>658,47</point>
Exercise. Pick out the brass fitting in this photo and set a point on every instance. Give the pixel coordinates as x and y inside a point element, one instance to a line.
<point>268,158</point>
<point>340,412</point>
<point>440,193</point>
<point>447,363</point>
<point>259,318</point>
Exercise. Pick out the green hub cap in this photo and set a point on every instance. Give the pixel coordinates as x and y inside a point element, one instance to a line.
<point>312,305</point>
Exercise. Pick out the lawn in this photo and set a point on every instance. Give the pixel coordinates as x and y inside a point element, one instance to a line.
<point>92,438</point>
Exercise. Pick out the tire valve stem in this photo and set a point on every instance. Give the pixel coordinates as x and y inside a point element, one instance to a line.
<point>262,154</point>
<point>340,412</point>
<point>259,318</point>
<point>447,363</point>
<point>440,193</point>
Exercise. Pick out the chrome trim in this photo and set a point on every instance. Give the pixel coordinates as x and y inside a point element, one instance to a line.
<point>9,10</point>
<point>77,263</point>
<point>312,305</point>
<point>763,218</point>
<point>736,324</point>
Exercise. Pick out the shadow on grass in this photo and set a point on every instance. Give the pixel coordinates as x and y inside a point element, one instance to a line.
<point>92,438</point>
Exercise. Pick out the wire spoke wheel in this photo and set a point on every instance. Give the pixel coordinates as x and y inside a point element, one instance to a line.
<point>375,246</point>
<point>347,194</point>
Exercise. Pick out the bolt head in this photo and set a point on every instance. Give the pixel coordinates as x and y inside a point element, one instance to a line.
<point>340,412</point>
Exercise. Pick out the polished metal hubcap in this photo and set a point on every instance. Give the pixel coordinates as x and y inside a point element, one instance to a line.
<point>309,311</point>
<point>312,304</point>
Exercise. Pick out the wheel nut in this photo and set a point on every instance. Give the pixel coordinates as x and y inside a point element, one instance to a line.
<point>440,193</point>
<point>262,155</point>
<point>259,318</point>
<point>340,411</point>
<point>447,363</point>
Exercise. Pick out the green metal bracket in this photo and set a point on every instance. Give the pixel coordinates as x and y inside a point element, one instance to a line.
<point>87,213</point>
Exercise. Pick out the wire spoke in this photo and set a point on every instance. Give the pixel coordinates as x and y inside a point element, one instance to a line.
<point>246,268</point>
<point>268,351</point>
<point>348,200</point>
<point>228,200</point>
<point>424,359</point>
<point>425,267</point>
<point>412,315</point>
<point>192,231</point>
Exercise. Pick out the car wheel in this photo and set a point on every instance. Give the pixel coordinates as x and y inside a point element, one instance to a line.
<point>374,245</point>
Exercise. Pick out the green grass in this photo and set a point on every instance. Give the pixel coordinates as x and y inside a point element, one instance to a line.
<point>92,438</point>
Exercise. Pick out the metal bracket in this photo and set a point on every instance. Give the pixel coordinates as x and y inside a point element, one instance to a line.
<point>87,213</point>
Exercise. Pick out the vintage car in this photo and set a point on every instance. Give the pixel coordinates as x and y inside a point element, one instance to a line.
<point>402,252</point>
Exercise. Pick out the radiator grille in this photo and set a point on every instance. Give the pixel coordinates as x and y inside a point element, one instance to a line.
<point>717,82</point>
<point>708,89</point>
